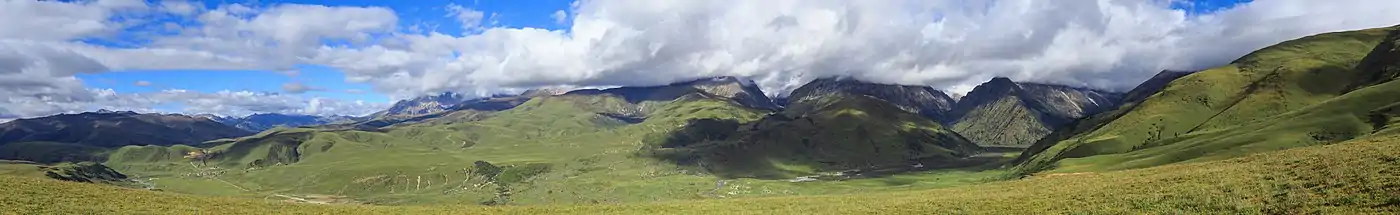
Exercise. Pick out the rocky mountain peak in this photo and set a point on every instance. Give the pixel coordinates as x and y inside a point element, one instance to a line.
<point>736,89</point>
<point>532,93</point>
<point>1002,112</point>
<point>423,105</point>
<point>922,100</point>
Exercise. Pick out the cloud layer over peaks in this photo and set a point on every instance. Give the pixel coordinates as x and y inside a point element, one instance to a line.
<point>783,43</point>
<point>780,44</point>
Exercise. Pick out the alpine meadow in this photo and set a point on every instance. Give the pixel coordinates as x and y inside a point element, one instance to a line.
<point>700,107</point>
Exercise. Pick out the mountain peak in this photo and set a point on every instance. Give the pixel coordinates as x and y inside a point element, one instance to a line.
<point>531,93</point>
<point>1000,79</point>
<point>105,111</point>
<point>922,100</point>
<point>738,89</point>
<point>1007,113</point>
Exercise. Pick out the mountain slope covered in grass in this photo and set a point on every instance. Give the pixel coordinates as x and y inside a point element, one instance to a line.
<point>518,155</point>
<point>1004,113</point>
<point>1297,181</point>
<point>91,136</point>
<point>922,100</point>
<point>115,129</point>
<point>1316,90</point>
<point>833,132</point>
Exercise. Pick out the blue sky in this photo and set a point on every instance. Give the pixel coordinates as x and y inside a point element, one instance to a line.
<point>1206,6</point>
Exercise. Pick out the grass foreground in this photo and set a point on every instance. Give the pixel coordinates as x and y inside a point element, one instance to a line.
<point>1365,178</point>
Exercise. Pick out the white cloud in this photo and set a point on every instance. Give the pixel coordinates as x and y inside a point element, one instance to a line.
<point>53,20</point>
<point>142,83</point>
<point>781,44</point>
<point>560,17</point>
<point>225,103</point>
<point>299,88</point>
<point>179,7</point>
<point>41,51</point>
<point>469,18</point>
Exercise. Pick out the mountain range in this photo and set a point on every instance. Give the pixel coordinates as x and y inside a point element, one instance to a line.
<point>1305,126</point>
<point>1010,114</point>
<point>116,129</point>
<point>264,121</point>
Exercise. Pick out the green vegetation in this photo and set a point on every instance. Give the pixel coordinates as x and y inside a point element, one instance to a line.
<point>1295,94</point>
<point>87,172</point>
<point>1005,121</point>
<point>549,150</point>
<point>51,152</point>
<point>833,133</point>
<point>1308,180</point>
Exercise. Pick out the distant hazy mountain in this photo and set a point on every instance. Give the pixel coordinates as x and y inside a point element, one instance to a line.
<point>922,100</point>
<point>444,108</point>
<point>1005,113</point>
<point>112,129</point>
<point>263,121</point>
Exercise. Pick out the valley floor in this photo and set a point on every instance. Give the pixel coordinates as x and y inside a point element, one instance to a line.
<point>1354,177</point>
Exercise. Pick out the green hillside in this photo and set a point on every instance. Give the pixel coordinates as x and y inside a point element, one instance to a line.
<point>570,148</point>
<point>833,133</point>
<point>115,129</point>
<point>1306,92</point>
<point>1309,180</point>
<point>1003,113</point>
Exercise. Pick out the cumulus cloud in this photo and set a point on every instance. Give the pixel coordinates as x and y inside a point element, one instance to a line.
<point>42,47</point>
<point>179,7</point>
<point>469,18</point>
<point>225,103</point>
<point>780,44</point>
<point>560,17</point>
<point>299,88</point>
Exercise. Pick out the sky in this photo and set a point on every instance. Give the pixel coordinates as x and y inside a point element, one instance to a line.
<point>235,58</point>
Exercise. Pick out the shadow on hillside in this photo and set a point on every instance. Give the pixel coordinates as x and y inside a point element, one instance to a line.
<point>729,149</point>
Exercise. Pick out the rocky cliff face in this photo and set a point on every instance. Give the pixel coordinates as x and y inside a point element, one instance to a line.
<point>1005,113</point>
<point>114,129</point>
<point>921,100</point>
<point>420,106</point>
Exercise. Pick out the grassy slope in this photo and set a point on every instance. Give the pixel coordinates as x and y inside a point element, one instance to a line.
<point>52,152</point>
<point>1294,181</point>
<point>833,133</point>
<point>1284,96</point>
<point>557,152</point>
<point>1006,121</point>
